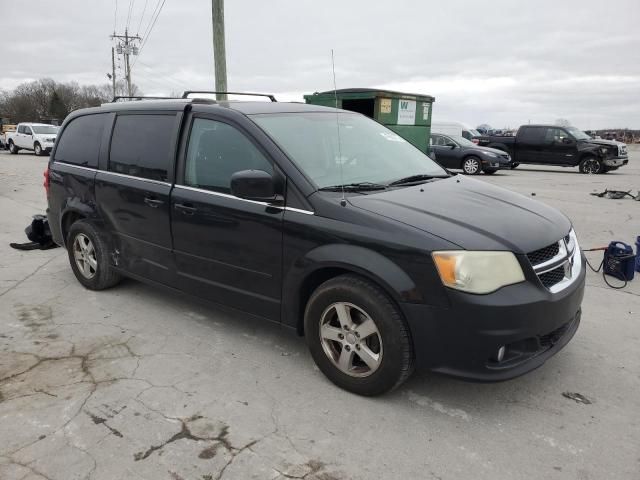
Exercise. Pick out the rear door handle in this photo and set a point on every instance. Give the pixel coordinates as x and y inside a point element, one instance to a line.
<point>153,202</point>
<point>185,208</point>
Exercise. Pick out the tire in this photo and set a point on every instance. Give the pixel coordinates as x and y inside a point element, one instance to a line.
<point>591,165</point>
<point>96,275</point>
<point>514,165</point>
<point>471,165</point>
<point>490,171</point>
<point>12,148</point>
<point>371,327</point>
<point>37,149</point>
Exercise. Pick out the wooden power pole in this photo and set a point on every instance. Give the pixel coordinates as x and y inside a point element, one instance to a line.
<point>127,48</point>
<point>113,70</point>
<point>219,54</point>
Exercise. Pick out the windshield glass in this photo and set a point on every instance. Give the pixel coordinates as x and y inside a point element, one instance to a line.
<point>463,142</point>
<point>39,129</point>
<point>578,134</point>
<point>368,151</point>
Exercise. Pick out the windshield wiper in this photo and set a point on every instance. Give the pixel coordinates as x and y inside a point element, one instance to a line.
<point>421,177</point>
<point>354,187</point>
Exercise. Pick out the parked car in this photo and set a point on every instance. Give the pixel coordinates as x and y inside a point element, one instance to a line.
<point>561,146</point>
<point>457,129</point>
<point>38,137</point>
<point>5,128</point>
<point>349,235</point>
<point>457,152</point>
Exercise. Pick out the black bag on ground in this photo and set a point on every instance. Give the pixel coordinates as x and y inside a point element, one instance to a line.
<point>39,233</point>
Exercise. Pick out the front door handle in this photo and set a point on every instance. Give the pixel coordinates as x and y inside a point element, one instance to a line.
<point>153,202</point>
<point>185,208</point>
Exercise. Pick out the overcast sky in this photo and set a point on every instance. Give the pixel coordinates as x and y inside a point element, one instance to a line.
<point>501,62</point>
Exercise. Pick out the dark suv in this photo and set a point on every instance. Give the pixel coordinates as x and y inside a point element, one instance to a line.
<point>324,221</point>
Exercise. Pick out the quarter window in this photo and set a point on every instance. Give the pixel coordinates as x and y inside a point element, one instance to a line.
<point>141,146</point>
<point>216,151</point>
<point>79,143</point>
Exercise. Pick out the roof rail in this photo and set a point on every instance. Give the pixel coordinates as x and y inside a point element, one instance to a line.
<point>141,97</point>
<point>268,95</point>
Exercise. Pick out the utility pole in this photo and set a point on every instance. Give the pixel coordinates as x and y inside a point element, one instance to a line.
<point>126,47</point>
<point>219,54</point>
<point>113,70</point>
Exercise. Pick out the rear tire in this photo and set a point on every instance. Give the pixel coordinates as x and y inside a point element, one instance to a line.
<point>357,336</point>
<point>591,165</point>
<point>471,165</point>
<point>490,171</point>
<point>12,148</point>
<point>514,165</point>
<point>89,256</point>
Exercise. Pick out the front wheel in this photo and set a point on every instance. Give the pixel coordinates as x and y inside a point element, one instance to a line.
<point>89,256</point>
<point>12,148</point>
<point>471,165</point>
<point>357,336</point>
<point>591,165</point>
<point>37,149</point>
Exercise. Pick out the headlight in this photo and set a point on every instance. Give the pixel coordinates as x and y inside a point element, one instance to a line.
<point>477,272</point>
<point>489,154</point>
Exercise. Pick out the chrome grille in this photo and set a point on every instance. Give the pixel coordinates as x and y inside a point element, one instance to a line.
<point>542,255</point>
<point>557,264</point>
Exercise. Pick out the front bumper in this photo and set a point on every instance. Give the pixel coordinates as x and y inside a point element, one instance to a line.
<point>616,162</point>
<point>463,340</point>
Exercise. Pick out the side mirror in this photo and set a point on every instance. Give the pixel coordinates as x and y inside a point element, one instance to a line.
<point>451,145</point>
<point>567,140</point>
<point>253,185</point>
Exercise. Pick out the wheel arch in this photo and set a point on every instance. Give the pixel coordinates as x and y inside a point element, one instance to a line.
<point>329,261</point>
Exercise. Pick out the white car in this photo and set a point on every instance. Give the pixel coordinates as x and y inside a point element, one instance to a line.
<point>39,137</point>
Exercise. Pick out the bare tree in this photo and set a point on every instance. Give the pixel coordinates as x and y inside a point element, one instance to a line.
<point>563,122</point>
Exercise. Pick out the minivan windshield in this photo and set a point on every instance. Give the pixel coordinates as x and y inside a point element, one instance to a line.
<point>40,129</point>
<point>578,134</point>
<point>367,151</point>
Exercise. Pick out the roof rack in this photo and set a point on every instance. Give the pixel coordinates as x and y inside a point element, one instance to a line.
<point>141,97</point>
<point>268,95</point>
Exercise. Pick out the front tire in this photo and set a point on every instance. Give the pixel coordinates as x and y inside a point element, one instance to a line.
<point>591,166</point>
<point>12,148</point>
<point>471,165</point>
<point>37,149</point>
<point>357,336</point>
<point>89,256</point>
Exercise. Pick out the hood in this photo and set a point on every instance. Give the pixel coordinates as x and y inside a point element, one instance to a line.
<point>600,141</point>
<point>472,214</point>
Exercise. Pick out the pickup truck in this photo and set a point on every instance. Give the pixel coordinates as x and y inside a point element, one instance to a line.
<point>5,129</point>
<point>561,146</point>
<point>39,137</point>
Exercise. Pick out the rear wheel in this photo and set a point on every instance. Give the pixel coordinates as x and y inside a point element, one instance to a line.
<point>471,165</point>
<point>591,165</point>
<point>89,256</point>
<point>514,165</point>
<point>490,171</point>
<point>357,336</point>
<point>12,148</point>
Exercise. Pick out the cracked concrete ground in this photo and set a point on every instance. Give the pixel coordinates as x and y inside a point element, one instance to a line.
<point>132,383</point>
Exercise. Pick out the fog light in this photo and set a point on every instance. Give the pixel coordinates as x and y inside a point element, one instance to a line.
<point>500,355</point>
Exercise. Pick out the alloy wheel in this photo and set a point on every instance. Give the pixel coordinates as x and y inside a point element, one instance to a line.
<point>471,166</point>
<point>591,166</point>
<point>351,339</point>
<point>84,254</point>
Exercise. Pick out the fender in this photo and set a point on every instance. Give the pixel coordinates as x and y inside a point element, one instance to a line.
<point>350,258</point>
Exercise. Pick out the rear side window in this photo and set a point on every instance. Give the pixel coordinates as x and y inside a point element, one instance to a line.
<point>216,151</point>
<point>79,143</point>
<point>141,144</point>
<point>530,135</point>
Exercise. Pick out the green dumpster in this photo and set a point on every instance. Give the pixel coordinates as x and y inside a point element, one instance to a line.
<point>407,114</point>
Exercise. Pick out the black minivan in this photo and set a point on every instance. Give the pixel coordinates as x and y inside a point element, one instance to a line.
<point>324,221</point>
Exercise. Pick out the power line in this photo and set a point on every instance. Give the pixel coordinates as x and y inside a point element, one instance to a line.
<point>146,39</point>
<point>142,16</point>
<point>131,3</point>
<point>153,14</point>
